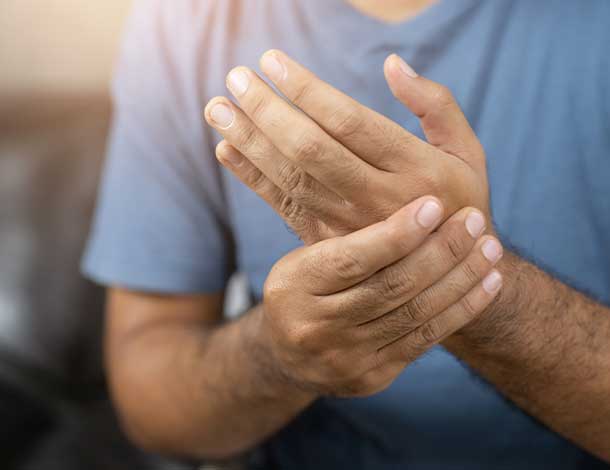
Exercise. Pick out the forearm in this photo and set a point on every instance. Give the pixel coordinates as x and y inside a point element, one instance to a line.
<point>546,347</point>
<point>203,394</point>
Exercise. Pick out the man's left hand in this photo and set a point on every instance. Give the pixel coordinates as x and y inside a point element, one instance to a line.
<point>333,166</point>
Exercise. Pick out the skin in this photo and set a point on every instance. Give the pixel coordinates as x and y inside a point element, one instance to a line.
<point>168,357</point>
<point>542,344</point>
<point>391,11</point>
<point>321,330</point>
<point>346,166</point>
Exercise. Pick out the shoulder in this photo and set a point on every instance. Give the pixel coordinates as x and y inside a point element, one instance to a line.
<point>161,33</point>
<point>181,50</point>
<point>169,55</point>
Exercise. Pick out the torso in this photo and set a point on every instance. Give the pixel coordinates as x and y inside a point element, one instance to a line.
<point>532,78</point>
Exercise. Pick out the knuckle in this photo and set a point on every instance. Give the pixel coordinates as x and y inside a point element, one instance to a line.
<point>258,107</point>
<point>392,284</point>
<point>347,265</point>
<point>443,97</point>
<point>469,308</point>
<point>393,325</point>
<point>255,179</point>
<point>293,178</point>
<point>429,333</point>
<point>302,92</point>
<point>471,273</point>
<point>395,237</point>
<point>346,122</point>
<point>249,138</point>
<point>353,174</point>
<point>419,308</point>
<point>307,150</point>
<point>453,247</point>
<point>288,208</point>
<point>398,282</point>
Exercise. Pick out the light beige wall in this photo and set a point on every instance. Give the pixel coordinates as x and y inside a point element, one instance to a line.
<point>58,45</point>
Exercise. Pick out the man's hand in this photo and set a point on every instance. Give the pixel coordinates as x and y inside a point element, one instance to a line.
<point>344,316</point>
<point>338,166</point>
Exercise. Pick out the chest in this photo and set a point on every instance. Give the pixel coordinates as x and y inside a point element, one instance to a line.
<point>546,140</point>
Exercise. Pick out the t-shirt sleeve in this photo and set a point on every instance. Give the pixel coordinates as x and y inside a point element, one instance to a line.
<point>161,221</point>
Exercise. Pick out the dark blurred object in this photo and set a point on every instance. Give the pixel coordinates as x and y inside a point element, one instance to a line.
<point>50,156</point>
<point>25,422</point>
<point>54,407</point>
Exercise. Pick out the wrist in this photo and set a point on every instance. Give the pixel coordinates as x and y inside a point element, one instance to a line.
<point>276,381</point>
<point>495,326</point>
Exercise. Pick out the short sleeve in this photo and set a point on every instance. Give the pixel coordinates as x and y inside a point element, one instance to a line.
<point>161,221</point>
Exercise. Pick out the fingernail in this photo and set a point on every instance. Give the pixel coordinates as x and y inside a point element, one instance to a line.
<point>429,214</point>
<point>273,67</point>
<point>475,224</point>
<point>406,68</point>
<point>230,155</point>
<point>492,250</point>
<point>238,82</point>
<point>492,282</point>
<point>222,115</point>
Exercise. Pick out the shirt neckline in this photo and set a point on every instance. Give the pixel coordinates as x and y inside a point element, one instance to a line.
<point>346,19</point>
<point>375,21</point>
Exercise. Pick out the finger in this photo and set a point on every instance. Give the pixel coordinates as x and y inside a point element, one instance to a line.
<point>249,174</point>
<point>296,185</point>
<point>401,282</point>
<point>441,117</point>
<point>436,298</point>
<point>411,346</point>
<point>351,123</point>
<point>336,264</point>
<point>297,137</point>
<point>239,131</point>
<point>310,229</point>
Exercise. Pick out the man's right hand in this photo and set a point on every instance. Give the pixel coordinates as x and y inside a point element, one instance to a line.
<point>344,316</point>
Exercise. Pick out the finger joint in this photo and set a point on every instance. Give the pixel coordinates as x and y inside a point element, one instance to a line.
<point>307,151</point>
<point>430,332</point>
<point>398,282</point>
<point>418,309</point>
<point>301,94</point>
<point>346,122</point>
<point>259,107</point>
<point>292,178</point>
<point>347,265</point>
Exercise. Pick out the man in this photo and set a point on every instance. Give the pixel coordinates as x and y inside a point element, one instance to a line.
<point>344,315</point>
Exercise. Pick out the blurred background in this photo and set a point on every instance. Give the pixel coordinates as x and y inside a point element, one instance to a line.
<point>56,59</point>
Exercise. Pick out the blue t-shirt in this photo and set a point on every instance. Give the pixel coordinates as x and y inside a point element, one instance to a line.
<point>533,79</point>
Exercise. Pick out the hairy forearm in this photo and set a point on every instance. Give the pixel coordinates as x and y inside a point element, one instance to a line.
<point>547,348</point>
<point>203,394</point>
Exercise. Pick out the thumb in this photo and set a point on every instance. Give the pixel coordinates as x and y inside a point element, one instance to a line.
<point>441,117</point>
